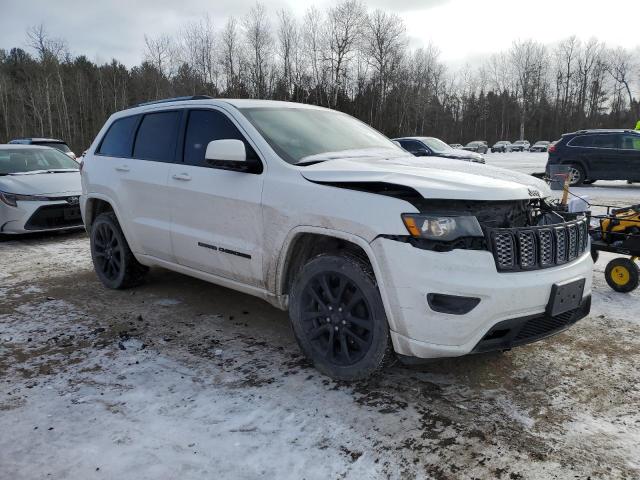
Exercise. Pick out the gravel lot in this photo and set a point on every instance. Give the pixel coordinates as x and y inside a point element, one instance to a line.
<point>183,379</point>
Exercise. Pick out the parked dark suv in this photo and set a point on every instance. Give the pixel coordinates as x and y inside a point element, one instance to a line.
<point>598,155</point>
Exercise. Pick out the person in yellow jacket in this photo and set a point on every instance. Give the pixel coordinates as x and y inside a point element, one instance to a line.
<point>638,125</point>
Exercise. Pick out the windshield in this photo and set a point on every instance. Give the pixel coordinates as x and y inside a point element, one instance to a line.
<point>471,144</point>
<point>297,133</point>
<point>542,143</point>
<point>436,144</point>
<point>23,160</point>
<point>63,147</point>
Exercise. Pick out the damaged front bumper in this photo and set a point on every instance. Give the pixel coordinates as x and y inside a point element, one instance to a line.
<point>410,274</point>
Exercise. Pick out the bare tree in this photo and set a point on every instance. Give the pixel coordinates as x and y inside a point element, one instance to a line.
<point>384,44</point>
<point>231,54</point>
<point>529,60</point>
<point>622,68</point>
<point>344,29</point>
<point>260,42</point>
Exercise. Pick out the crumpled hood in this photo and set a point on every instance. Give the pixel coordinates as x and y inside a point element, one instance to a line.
<point>432,177</point>
<point>63,183</point>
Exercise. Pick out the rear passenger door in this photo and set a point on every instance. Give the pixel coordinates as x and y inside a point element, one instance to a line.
<point>629,165</point>
<point>606,157</point>
<point>141,167</point>
<point>216,214</point>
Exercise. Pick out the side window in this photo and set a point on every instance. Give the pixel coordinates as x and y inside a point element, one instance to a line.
<point>631,142</point>
<point>412,145</point>
<point>581,141</point>
<point>605,141</point>
<point>118,140</point>
<point>157,137</point>
<point>204,126</point>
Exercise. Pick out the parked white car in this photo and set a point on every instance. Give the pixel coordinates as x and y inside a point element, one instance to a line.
<point>39,190</point>
<point>369,248</point>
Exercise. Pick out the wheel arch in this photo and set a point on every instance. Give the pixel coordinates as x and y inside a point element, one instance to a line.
<point>303,243</point>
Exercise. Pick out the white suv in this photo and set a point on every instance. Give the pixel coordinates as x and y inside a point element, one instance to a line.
<point>368,247</point>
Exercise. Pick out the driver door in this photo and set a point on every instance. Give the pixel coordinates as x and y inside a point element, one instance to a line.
<point>216,219</point>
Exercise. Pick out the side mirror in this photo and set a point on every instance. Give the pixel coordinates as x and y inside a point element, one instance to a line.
<point>422,153</point>
<point>226,151</point>
<point>230,155</point>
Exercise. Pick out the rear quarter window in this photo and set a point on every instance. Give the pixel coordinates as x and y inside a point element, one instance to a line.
<point>581,141</point>
<point>118,141</point>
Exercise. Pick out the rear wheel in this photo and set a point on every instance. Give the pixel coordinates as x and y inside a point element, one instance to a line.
<point>113,260</point>
<point>622,274</point>
<point>576,175</point>
<point>338,317</point>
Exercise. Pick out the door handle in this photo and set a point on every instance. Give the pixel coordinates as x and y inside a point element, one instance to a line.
<point>122,168</point>
<point>181,176</point>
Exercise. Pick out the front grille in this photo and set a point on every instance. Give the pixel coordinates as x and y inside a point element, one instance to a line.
<point>531,248</point>
<point>54,216</point>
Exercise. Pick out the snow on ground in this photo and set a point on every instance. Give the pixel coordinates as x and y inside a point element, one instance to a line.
<point>182,379</point>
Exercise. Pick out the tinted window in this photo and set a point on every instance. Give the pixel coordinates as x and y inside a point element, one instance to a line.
<point>157,137</point>
<point>411,145</point>
<point>581,141</point>
<point>631,142</point>
<point>205,126</point>
<point>119,138</point>
<point>605,141</point>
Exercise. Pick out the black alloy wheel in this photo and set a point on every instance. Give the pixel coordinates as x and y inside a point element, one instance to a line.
<point>337,318</point>
<point>113,261</point>
<point>107,252</point>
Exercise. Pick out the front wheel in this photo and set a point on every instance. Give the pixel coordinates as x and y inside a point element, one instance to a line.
<point>338,317</point>
<point>113,261</point>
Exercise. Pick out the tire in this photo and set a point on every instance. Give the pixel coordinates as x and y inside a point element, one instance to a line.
<point>113,262</point>
<point>338,317</point>
<point>576,175</point>
<point>622,275</point>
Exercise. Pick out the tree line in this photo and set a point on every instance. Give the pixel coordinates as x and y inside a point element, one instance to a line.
<point>343,57</point>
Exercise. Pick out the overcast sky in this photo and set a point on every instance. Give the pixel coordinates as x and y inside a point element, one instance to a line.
<point>462,29</point>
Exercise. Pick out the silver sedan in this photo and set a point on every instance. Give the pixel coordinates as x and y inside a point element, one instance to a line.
<point>39,190</point>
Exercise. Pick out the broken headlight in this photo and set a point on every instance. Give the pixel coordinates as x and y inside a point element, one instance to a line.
<point>442,228</point>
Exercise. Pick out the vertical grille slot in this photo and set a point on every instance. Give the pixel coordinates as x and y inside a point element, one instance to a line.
<point>546,247</point>
<point>561,244</point>
<point>573,241</point>
<point>527,249</point>
<point>504,249</point>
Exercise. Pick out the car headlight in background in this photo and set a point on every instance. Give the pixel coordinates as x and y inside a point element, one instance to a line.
<point>443,228</point>
<point>12,199</point>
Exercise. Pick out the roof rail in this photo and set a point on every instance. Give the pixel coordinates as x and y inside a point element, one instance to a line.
<point>174,99</point>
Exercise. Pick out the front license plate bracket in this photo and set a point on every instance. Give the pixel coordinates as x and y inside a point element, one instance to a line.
<point>565,297</point>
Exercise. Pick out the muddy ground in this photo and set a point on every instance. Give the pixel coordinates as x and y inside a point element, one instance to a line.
<point>183,379</point>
